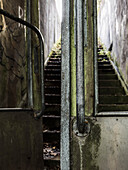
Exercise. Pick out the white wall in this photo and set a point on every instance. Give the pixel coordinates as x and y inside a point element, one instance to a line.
<point>113,27</point>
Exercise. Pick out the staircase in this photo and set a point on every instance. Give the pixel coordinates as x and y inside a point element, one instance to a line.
<point>51,117</point>
<point>112,96</point>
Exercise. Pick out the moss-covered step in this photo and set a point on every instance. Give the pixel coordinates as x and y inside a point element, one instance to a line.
<point>119,99</point>
<point>109,83</point>
<point>107,77</point>
<point>111,91</point>
<point>112,107</point>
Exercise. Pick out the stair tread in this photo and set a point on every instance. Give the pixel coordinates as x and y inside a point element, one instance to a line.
<point>51,116</point>
<point>52,86</point>
<point>58,95</point>
<point>51,131</point>
<point>54,69</point>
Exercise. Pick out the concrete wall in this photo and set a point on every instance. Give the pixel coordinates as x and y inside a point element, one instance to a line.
<point>12,56</point>
<point>21,142</point>
<point>49,23</point>
<point>113,28</point>
<point>104,148</point>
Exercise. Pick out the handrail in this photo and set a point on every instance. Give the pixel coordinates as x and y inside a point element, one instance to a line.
<point>41,40</point>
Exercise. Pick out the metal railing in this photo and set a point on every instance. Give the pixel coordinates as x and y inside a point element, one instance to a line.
<point>41,41</point>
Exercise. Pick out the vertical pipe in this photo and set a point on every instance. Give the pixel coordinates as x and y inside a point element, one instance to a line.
<point>65,87</point>
<point>80,100</point>
<point>95,55</point>
<point>42,74</point>
<point>29,56</point>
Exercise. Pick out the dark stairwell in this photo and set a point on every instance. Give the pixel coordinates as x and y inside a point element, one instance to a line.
<point>51,117</point>
<point>112,96</point>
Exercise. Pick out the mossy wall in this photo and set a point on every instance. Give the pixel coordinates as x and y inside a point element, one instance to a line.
<point>88,62</point>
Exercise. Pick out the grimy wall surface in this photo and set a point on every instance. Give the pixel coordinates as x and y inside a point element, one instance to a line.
<point>50,25</point>
<point>113,28</point>
<point>12,56</point>
<point>105,146</point>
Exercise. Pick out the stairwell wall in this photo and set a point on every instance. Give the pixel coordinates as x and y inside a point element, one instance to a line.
<point>12,56</point>
<point>113,28</point>
<point>50,24</point>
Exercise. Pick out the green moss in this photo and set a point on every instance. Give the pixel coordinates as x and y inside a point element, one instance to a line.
<point>73,65</point>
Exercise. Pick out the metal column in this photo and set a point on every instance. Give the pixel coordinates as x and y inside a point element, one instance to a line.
<point>80,97</point>
<point>65,88</point>
<point>95,55</point>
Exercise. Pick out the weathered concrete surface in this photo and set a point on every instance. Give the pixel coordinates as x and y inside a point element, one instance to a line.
<point>49,23</point>
<point>105,148</point>
<point>113,28</point>
<point>12,56</point>
<point>20,141</point>
<point>88,61</point>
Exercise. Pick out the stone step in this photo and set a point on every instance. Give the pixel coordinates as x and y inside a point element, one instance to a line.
<point>52,76</point>
<point>52,109</point>
<point>53,98</point>
<point>55,59</point>
<point>104,63</point>
<point>105,67</point>
<point>107,77</point>
<point>49,164</point>
<point>111,91</point>
<point>55,56</point>
<point>51,122</point>
<point>112,107</point>
<point>51,136</point>
<point>109,83</point>
<point>52,82</point>
<point>54,63</point>
<point>109,99</point>
<point>53,67</point>
<point>106,71</point>
<point>53,71</point>
<point>102,56</point>
<point>52,89</point>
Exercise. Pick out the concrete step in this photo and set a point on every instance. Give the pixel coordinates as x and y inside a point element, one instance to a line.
<point>106,71</point>
<point>104,63</point>
<point>109,99</point>
<point>55,59</point>
<point>52,82</point>
<point>111,91</point>
<point>112,107</point>
<point>54,63</point>
<point>51,136</point>
<point>49,164</point>
<point>51,122</point>
<point>55,56</point>
<point>52,89</point>
<point>52,76</point>
<point>53,71</point>
<point>52,109</point>
<point>53,98</point>
<point>105,67</point>
<point>53,67</point>
<point>107,77</point>
<point>109,83</point>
